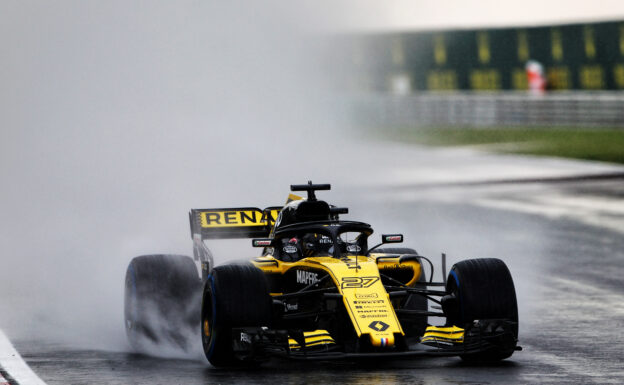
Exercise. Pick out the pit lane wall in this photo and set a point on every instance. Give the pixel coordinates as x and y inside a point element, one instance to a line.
<point>574,57</point>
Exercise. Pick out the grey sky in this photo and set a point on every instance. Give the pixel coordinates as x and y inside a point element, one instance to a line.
<point>385,15</point>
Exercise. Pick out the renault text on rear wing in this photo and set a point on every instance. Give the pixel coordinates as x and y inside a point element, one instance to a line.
<point>229,223</point>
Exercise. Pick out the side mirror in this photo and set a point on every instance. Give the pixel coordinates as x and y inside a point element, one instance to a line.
<point>391,238</point>
<point>262,242</point>
<point>387,238</point>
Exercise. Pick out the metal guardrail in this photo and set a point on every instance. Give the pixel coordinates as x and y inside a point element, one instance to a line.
<point>491,109</point>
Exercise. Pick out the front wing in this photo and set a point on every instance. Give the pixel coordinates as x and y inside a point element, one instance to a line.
<point>261,343</point>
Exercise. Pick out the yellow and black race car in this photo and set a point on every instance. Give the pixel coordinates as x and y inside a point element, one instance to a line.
<point>317,292</point>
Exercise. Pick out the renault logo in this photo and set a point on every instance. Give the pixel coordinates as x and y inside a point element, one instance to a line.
<point>378,326</point>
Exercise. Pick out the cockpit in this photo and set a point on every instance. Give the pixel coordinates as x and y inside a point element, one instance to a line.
<point>333,239</point>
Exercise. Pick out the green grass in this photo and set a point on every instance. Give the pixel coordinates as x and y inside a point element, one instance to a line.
<point>592,144</point>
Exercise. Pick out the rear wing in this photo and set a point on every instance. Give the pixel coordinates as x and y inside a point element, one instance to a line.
<point>232,223</point>
<point>229,223</point>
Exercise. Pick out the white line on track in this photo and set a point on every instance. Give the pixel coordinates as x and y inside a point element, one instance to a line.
<point>594,211</point>
<point>14,364</point>
<point>3,381</point>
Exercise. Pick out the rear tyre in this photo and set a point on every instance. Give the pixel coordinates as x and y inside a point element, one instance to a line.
<point>413,301</point>
<point>484,289</point>
<point>234,296</point>
<point>162,301</point>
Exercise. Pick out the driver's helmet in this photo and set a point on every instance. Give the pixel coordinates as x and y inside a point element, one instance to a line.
<point>290,249</point>
<point>316,244</point>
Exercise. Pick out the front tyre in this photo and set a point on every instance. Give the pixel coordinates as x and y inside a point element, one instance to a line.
<point>482,289</point>
<point>234,296</point>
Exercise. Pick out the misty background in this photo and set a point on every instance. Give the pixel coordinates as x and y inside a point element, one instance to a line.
<point>117,118</point>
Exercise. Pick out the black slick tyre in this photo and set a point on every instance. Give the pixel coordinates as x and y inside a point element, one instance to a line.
<point>483,289</point>
<point>413,301</point>
<point>161,301</point>
<point>235,295</point>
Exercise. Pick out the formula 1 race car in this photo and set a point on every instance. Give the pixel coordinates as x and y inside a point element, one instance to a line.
<point>317,292</point>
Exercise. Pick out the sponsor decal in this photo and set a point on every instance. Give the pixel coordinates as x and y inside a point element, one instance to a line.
<point>262,242</point>
<point>369,295</point>
<point>370,301</point>
<point>351,264</point>
<point>358,282</point>
<point>372,315</point>
<point>354,248</point>
<point>307,277</point>
<point>235,218</point>
<point>393,238</point>
<point>291,306</point>
<point>395,267</point>
<point>378,326</point>
<point>290,249</point>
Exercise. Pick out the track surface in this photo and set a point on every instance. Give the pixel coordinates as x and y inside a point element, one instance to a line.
<point>567,274</point>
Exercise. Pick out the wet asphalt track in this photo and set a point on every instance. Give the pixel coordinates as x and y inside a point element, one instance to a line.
<point>568,279</point>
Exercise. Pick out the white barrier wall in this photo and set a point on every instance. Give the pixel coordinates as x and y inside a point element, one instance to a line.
<point>491,109</point>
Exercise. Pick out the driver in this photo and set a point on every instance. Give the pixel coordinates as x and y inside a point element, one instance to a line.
<point>315,244</point>
<point>291,250</point>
